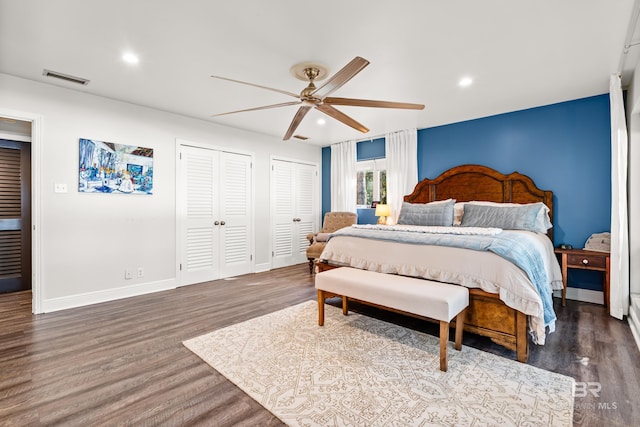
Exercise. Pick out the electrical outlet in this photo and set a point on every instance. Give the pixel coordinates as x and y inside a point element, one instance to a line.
<point>140,272</point>
<point>128,274</point>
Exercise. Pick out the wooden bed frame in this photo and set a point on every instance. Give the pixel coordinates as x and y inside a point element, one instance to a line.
<point>486,315</point>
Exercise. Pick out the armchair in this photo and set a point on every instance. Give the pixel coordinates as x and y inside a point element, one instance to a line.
<point>333,221</point>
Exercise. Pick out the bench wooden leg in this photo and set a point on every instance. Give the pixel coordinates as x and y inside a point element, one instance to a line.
<point>444,338</point>
<point>345,305</point>
<point>320,307</point>
<point>459,329</point>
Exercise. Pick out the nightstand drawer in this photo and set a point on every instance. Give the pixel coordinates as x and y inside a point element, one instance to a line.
<point>586,261</point>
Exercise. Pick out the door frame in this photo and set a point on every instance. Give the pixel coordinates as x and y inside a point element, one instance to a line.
<point>179,238</point>
<point>36,187</point>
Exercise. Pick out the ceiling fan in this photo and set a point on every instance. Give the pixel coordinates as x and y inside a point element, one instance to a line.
<point>312,97</point>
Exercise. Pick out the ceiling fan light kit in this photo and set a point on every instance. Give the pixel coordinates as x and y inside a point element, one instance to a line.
<point>318,97</point>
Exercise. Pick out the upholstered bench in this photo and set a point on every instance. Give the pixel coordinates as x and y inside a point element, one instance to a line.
<point>425,298</point>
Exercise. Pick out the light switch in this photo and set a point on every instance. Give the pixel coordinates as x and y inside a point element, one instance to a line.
<point>60,188</point>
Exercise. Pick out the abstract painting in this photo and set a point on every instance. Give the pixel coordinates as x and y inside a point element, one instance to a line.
<point>106,167</point>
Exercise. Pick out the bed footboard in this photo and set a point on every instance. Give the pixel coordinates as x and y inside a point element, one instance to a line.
<point>488,316</point>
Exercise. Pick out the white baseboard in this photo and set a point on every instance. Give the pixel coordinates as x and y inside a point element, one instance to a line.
<point>79,300</point>
<point>634,318</point>
<point>583,295</point>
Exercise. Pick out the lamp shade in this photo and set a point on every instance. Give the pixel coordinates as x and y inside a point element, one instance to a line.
<point>383,210</point>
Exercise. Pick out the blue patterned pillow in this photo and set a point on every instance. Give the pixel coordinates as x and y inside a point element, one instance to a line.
<point>523,217</point>
<point>436,213</point>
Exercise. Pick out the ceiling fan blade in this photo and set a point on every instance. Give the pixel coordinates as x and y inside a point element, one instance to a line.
<point>336,81</point>
<point>370,103</point>
<point>338,115</point>
<point>266,107</point>
<point>302,111</point>
<point>255,85</point>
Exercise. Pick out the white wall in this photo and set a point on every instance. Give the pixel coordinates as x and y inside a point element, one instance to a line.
<point>88,240</point>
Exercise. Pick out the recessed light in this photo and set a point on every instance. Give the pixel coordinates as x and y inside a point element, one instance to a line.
<point>465,81</point>
<point>321,121</point>
<point>130,58</point>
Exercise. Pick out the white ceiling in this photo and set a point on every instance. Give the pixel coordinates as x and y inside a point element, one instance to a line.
<point>521,54</point>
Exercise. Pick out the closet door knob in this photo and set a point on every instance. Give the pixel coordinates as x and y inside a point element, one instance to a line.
<point>222,223</point>
<point>216,223</point>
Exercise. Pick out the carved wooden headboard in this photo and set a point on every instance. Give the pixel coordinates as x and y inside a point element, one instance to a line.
<point>475,182</point>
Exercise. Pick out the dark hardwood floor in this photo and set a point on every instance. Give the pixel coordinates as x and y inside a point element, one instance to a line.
<point>123,362</point>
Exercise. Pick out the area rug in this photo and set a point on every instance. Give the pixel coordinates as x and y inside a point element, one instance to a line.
<point>360,371</point>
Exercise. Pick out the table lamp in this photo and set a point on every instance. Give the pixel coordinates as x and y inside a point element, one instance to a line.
<point>382,212</point>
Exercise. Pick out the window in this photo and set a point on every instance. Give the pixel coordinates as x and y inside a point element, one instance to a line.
<point>371,182</point>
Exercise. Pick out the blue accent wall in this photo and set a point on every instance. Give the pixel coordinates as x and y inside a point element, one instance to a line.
<point>372,149</point>
<point>326,180</point>
<point>563,147</point>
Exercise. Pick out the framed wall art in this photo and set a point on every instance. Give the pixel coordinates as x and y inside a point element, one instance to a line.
<point>106,167</point>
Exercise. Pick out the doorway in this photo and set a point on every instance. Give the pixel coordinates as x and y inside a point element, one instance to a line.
<point>27,128</point>
<point>15,215</point>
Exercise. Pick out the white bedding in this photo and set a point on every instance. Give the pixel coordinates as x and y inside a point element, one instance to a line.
<point>470,268</point>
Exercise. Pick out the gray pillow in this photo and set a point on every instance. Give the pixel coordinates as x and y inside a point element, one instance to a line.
<point>523,217</point>
<point>437,213</point>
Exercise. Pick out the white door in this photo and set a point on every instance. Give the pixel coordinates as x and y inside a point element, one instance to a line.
<point>198,205</point>
<point>294,189</point>
<point>236,252</point>
<point>216,209</point>
<point>282,213</point>
<point>305,202</point>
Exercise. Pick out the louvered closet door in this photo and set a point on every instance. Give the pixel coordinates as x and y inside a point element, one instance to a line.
<point>305,207</point>
<point>15,216</point>
<point>293,201</point>
<point>282,213</point>
<point>199,197</point>
<point>235,215</point>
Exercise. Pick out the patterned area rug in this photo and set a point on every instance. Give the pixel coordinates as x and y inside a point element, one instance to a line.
<point>360,371</point>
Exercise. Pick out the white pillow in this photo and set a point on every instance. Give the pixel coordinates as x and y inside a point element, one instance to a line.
<point>322,237</point>
<point>458,211</point>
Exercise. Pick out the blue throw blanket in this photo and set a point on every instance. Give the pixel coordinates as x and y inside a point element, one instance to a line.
<point>508,245</point>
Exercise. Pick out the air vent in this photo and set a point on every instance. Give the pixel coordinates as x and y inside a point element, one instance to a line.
<point>65,77</point>
<point>304,138</point>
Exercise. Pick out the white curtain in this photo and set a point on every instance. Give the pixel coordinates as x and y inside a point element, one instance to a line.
<point>619,279</point>
<point>343,177</point>
<point>401,151</point>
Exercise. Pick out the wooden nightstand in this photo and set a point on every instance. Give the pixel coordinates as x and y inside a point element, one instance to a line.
<point>584,260</point>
